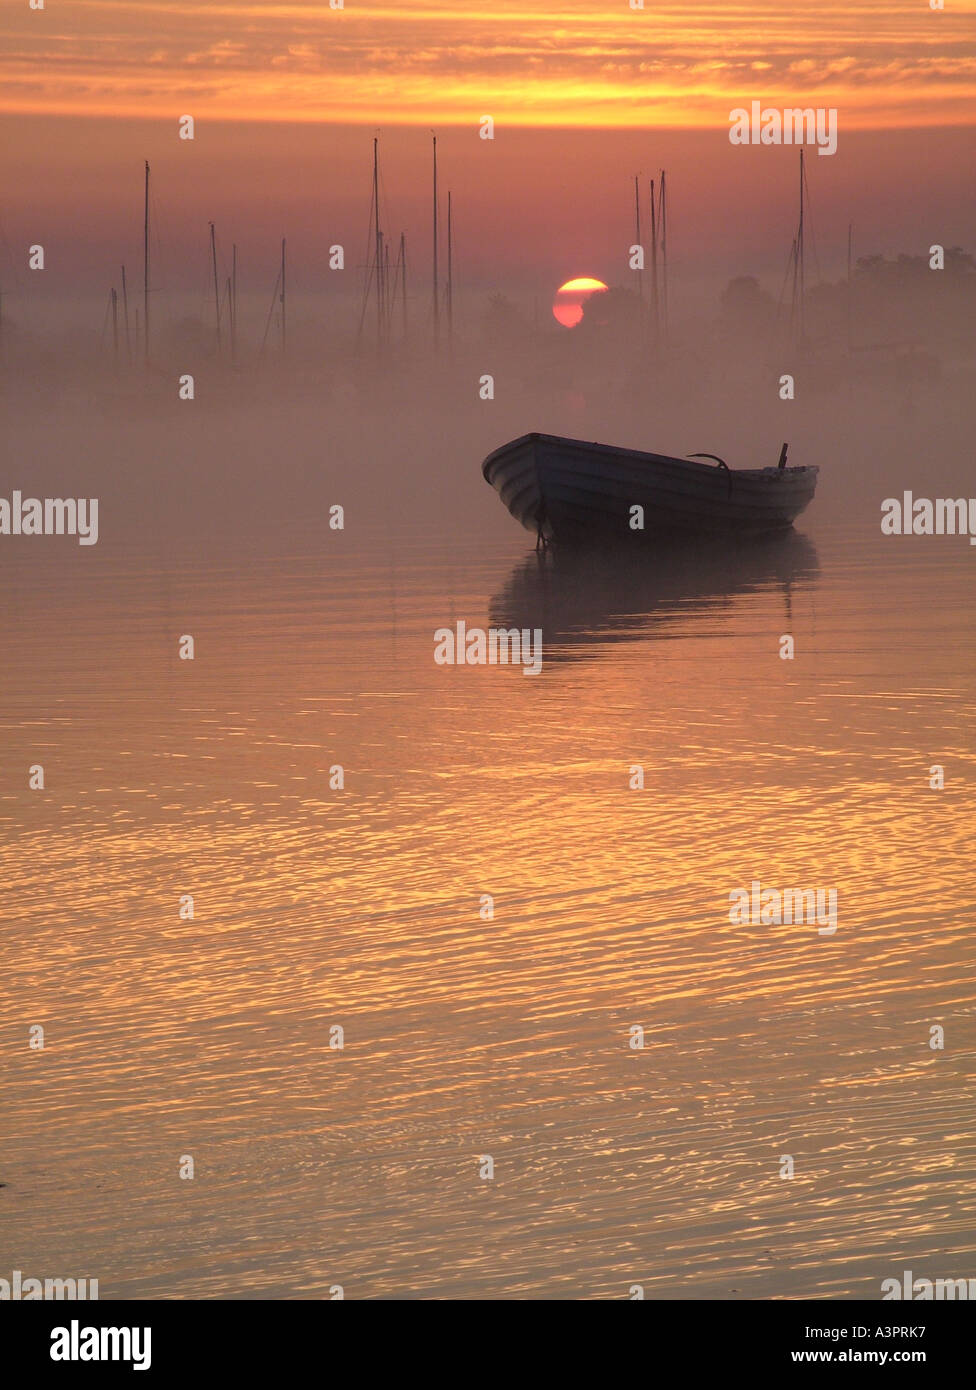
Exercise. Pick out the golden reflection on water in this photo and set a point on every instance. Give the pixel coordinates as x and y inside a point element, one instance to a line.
<point>509,1037</point>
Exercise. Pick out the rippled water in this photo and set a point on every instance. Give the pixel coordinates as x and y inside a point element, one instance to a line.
<point>507,1037</point>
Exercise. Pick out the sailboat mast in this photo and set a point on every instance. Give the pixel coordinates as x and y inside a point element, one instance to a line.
<point>213,259</point>
<point>403,282</point>
<point>115,325</point>
<point>850,258</point>
<point>640,271</point>
<point>380,259</point>
<point>799,260</point>
<point>125,316</point>
<point>145,272</point>
<point>377,241</point>
<point>387,294</point>
<point>654,309</point>
<point>233,303</point>
<point>436,304</point>
<point>450,269</point>
<point>283,339</point>
<point>664,252</point>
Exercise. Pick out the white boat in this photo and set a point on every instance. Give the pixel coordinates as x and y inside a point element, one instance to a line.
<point>569,490</point>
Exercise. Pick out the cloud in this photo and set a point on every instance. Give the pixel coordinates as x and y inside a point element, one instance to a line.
<point>575,63</point>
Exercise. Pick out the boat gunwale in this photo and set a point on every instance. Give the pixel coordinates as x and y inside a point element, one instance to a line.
<point>534,436</point>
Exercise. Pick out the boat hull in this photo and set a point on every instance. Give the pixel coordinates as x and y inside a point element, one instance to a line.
<point>570,490</point>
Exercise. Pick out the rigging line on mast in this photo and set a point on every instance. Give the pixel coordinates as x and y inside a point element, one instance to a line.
<point>274,301</point>
<point>108,310</point>
<point>365,304</point>
<point>368,263</point>
<point>12,268</point>
<point>809,220</point>
<point>455,281</point>
<point>790,266</point>
<point>777,321</point>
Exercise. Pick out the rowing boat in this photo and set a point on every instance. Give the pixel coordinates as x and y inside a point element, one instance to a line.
<point>571,490</point>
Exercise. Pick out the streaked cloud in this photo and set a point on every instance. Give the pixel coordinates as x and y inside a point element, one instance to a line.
<point>573,64</point>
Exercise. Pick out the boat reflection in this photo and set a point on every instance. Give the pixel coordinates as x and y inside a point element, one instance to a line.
<point>583,599</point>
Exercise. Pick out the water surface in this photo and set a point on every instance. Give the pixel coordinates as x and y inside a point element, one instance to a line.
<point>508,1037</point>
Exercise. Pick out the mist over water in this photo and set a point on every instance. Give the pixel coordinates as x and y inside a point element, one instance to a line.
<point>394,430</point>
<point>360,907</point>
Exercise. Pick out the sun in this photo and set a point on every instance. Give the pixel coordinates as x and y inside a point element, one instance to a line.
<point>567,307</point>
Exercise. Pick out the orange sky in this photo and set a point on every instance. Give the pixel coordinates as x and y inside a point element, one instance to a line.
<point>585,95</point>
<point>576,63</point>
